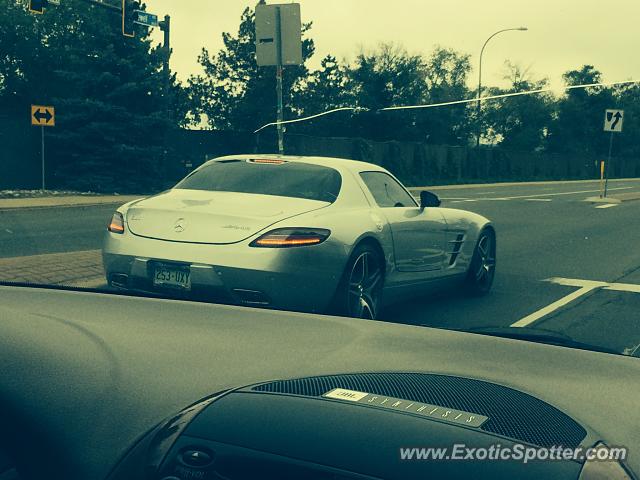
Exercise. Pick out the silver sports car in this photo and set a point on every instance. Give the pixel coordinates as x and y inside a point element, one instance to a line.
<point>297,233</point>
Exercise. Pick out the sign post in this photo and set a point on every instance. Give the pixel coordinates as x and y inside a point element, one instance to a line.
<point>42,116</point>
<point>278,43</point>
<point>613,120</point>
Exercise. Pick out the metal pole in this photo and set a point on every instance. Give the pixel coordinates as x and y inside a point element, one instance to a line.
<point>606,180</point>
<point>279,83</point>
<point>166,28</point>
<point>42,152</point>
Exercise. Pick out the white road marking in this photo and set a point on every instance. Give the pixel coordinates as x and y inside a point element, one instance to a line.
<point>539,199</point>
<point>631,351</point>
<point>608,205</point>
<point>534,197</point>
<point>543,312</point>
<point>576,282</point>
<point>623,287</point>
<point>586,286</point>
<point>561,193</point>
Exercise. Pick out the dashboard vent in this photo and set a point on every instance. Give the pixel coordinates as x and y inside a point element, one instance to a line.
<point>511,413</point>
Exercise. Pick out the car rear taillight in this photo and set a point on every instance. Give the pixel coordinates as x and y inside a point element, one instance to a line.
<point>117,223</point>
<point>291,237</point>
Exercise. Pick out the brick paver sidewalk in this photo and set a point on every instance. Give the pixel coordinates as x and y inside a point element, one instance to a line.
<point>75,268</point>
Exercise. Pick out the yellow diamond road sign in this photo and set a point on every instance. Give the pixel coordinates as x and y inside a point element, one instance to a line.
<point>43,116</point>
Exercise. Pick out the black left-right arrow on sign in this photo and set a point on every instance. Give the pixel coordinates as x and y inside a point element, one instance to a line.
<point>39,116</point>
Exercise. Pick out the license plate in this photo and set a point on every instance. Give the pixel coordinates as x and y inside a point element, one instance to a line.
<point>173,277</point>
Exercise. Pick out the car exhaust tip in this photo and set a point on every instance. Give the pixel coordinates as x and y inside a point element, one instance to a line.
<point>251,297</point>
<point>119,280</point>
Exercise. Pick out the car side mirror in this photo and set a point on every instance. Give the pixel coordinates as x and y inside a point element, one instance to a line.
<point>428,200</point>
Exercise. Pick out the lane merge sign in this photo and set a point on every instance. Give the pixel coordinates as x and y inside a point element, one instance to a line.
<point>613,120</point>
<point>43,116</point>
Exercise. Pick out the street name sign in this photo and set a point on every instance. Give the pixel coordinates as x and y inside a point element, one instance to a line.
<point>145,18</point>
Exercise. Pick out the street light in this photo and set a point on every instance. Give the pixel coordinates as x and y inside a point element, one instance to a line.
<point>519,29</point>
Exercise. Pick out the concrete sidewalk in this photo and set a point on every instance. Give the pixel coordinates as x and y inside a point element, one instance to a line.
<point>80,269</point>
<point>65,201</point>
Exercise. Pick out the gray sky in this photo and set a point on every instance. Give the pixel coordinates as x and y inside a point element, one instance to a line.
<point>563,34</point>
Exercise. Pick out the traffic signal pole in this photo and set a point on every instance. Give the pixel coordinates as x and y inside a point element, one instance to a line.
<point>165,26</point>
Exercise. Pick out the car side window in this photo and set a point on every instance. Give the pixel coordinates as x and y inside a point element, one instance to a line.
<point>386,190</point>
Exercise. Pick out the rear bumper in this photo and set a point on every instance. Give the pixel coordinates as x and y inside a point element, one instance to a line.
<point>300,279</point>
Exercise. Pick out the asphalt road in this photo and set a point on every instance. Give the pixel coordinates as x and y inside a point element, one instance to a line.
<point>544,232</point>
<point>37,231</point>
<point>549,231</point>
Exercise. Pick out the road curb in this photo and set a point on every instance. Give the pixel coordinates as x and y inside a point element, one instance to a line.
<point>618,198</point>
<point>8,205</point>
<point>602,200</point>
<point>91,282</point>
<point>44,207</point>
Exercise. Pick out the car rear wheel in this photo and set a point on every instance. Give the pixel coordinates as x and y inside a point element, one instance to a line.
<point>483,264</point>
<point>359,292</point>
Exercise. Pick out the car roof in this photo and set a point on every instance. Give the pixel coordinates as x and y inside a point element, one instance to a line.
<point>340,164</point>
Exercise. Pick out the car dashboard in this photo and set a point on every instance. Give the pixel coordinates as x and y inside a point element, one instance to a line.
<point>117,387</point>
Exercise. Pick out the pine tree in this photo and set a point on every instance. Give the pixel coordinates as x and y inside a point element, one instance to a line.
<point>111,117</point>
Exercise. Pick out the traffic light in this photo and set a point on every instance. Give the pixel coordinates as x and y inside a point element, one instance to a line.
<point>38,6</point>
<point>129,16</point>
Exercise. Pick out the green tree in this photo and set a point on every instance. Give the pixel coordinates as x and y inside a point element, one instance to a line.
<point>627,143</point>
<point>233,93</point>
<point>519,122</point>
<point>326,89</point>
<point>447,72</point>
<point>389,76</point>
<point>577,124</point>
<point>385,77</point>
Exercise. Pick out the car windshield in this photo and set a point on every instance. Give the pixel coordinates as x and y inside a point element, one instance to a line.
<point>288,179</point>
<point>468,166</point>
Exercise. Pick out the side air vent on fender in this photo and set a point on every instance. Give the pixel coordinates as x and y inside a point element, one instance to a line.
<point>511,413</point>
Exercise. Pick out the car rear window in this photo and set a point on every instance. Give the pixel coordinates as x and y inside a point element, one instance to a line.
<point>288,179</point>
